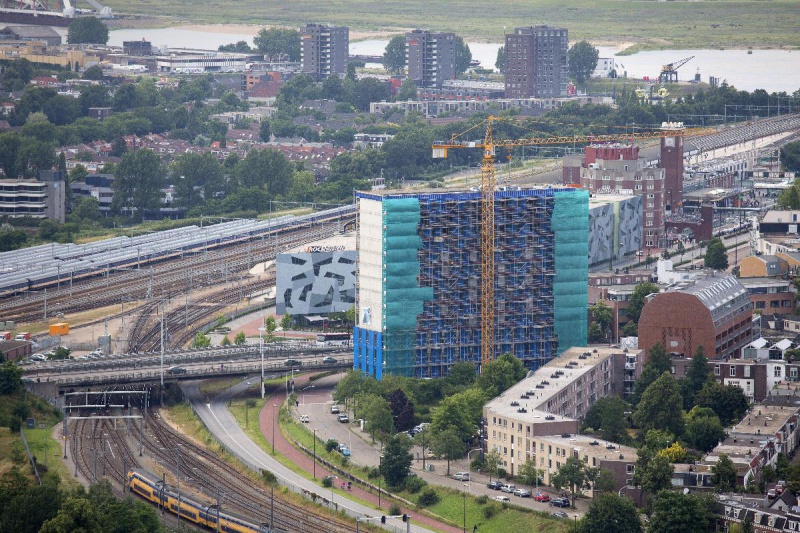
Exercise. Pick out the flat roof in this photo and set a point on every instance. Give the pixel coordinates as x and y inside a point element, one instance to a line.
<point>599,447</point>
<point>546,382</point>
<point>764,282</point>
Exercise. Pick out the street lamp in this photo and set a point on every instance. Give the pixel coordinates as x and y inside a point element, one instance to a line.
<point>261,350</point>
<point>315,453</point>
<point>465,512</point>
<point>576,523</point>
<point>469,466</point>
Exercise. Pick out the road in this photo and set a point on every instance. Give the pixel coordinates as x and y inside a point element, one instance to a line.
<point>223,426</point>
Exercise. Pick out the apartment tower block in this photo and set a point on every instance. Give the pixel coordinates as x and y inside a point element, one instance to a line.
<point>418,306</point>
<point>431,57</point>
<point>324,49</point>
<point>536,62</point>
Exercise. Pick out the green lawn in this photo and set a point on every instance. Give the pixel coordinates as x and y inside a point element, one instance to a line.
<point>646,24</point>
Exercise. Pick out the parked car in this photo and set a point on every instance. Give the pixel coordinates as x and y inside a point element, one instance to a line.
<point>335,409</point>
<point>772,493</point>
<point>559,514</point>
<point>522,493</point>
<point>507,487</point>
<point>494,485</point>
<point>304,419</point>
<point>501,498</point>
<point>461,476</point>
<point>329,360</point>
<point>542,497</point>
<point>560,502</point>
<point>779,486</point>
<point>343,418</point>
<point>344,450</point>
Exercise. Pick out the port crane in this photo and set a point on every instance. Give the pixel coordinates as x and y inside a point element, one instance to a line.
<point>669,72</point>
<point>487,189</point>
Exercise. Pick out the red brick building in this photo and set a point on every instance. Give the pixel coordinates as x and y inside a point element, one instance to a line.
<point>713,311</point>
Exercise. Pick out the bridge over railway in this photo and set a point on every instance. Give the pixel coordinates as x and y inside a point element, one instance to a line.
<point>56,376</point>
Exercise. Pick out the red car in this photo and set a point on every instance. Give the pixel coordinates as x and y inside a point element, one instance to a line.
<point>542,497</point>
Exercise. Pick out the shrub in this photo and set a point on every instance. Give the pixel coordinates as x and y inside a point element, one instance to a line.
<point>482,499</point>
<point>331,445</point>
<point>373,473</point>
<point>428,497</point>
<point>489,511</point>
<point>327,481</point>
<point>415,484</point>
<point>394,510</point>
<point>501,472</point>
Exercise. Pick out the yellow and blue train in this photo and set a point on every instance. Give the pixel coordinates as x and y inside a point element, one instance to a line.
<point>152,488</point>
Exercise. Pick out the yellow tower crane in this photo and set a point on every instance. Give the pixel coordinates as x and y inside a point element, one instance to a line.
<point>488,182</point>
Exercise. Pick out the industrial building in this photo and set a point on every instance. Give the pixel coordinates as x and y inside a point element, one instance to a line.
<point>431,57</point>
<point>418,307</point>
<point>324,49</point>
<point>536,62</point>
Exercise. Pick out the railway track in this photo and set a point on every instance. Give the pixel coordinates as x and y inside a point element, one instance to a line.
<point>193,270</point>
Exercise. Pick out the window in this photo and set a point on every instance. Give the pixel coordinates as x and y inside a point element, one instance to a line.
<point>629,469</point>
<point>732,371</point>
<point>747,371</point>
<point>716,370</point>
<point>649,223</point>
<point>778,372</point>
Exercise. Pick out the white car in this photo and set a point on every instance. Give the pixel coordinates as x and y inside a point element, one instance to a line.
<point>304,419</point>
<point>461,476</point>
<point>501,498</point>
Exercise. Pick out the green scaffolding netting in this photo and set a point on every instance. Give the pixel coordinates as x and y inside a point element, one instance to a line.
<point>403,297</point>
<point>570,224</point>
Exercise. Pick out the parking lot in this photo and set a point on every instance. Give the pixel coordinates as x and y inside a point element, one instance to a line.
<point>316,401</point>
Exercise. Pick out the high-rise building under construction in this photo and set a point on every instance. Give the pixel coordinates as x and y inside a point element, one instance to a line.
<point>418,301</point>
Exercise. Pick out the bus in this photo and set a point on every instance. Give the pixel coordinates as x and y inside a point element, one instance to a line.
<point>334,339</point>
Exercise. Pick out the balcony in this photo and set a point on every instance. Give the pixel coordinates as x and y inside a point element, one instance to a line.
<point>630,366</point>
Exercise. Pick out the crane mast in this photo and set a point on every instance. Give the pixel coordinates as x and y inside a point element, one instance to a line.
<point>487,247</point>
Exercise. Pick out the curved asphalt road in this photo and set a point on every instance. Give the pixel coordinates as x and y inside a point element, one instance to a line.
<point>226,430</point>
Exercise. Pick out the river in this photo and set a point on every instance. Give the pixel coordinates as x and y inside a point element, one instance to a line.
<point>771,70</point>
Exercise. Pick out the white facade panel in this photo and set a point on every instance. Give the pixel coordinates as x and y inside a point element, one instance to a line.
<point>370,265</point>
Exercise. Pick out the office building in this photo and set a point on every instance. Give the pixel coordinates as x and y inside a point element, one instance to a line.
<point>536,62</point>
<point>324,49</point>
<point>43,198</point>
<point>418,306</point>
<point>431,57</point>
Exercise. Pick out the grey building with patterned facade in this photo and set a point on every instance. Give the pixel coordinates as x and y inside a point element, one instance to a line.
<point>615,227</point>
<point>315,282</point>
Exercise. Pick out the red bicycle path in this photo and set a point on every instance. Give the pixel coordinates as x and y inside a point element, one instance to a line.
<point>299,458</point>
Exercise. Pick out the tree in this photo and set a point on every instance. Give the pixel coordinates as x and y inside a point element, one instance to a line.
<point>201,341</point>
<point>461,411</point>
<point>286,322</point>
<point>658,363</point>
<point>279,44</point>
<point>607,415</point>
<point>240,339</point>
<point>602,316</point>
<point>87,30</point>
<point>500,62</point>
<point>402,410</point>
<point>396,460</point>
<point>727,401</point>
<point>492,462</point>
<point>270,326</point>
<point>137,183</point>
<point>697,374</point>
<point>639,298</point>
<point>724,474</point>
<point>703,429</point>
<point>448,445</point>
<point>653,472</point>
<point>500,374</point>
<point>268,169</point>
<point>609,513</point>
<point>378,415</point>
<point>463,56</point>
<point>10,378</point>
<point>93,73</point>
<point>225,341</point>
<point>680,249</point>
<point>528,474</point>
<point>716,255</point>
<point>675,511</point>
<point>605,481</point>
<point>197,178</point>
<point>76,514</point>
<point>407,91</point>
<point>582,60</point>
<point>461,375</point>
<point>368,90</point>
<point>661,406</point>
<point>573,474</point>
<point>594,334</point>
<point>394,57</point>
<point>264,131</point>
